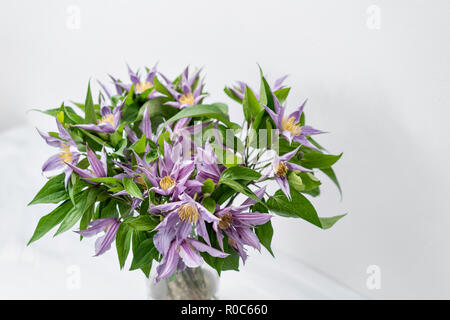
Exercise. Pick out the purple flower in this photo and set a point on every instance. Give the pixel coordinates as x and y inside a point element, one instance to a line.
<point>172,173</point>
<point>289,125</point>
<point>69,153</point>
<point>239,90</point>
<point>279,169</point>
<point>107,225</point>
<point>180,217</point>
<point>145,127</point>
<point>108,123</point>
<point>186,253</point>
<point>237,224</point>
<point>98,167</point>
<point>189,97</point>
<point>140,85</point>
<point>207,166</point>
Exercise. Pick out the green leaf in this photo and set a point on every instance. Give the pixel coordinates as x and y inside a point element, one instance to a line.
<point>239,188</point>
<point>52,192</point>
<point>319,160</point>
<point>299,207</point>
<point>221,264</point>
<point>139,146</point>
<point>90,116</point>
<point>138,238</point>
<point>303,181</point>
<point>144,255</point>
<point>142,223</point>
<point>208,186</point>
<point>265,94</point>
<point>75,186</point>
<point>96,139</point>
<point>240,173</point>
<point>108,209</point>
<point>71,116</point>
<point>108,180</point>
<point>232,95</point>
<point>209,204</point>
<point>251,105</point>
<point>231,262</point>
<point>51,112</point>
<point>132,188</point>
<point>222,193</point>
<point>282,94</point>
<point>265,234</point>
<point>330,173</point>
<point>82,204</point>
<point>123,242</point>
<point>210,111</point>
<point>47,222</point>
<point>160,87</point>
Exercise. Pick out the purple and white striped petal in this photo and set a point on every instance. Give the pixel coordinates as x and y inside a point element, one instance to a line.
<point>190,257</point>
<point>96,165</point>
<point>168,264</point>
<point>200,246</point>
<point>284,185</point>
<point>54,162</point>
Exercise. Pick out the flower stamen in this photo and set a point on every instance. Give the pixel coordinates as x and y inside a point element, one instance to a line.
<point>108,118</point>
<point>167,182</point>
<point>142,86</point>
<point>226,221</point>
<point>188,212</point>
<point>291,126</point>
<point>187,99</point>
<point>280,169</point>
<point>66,154</point>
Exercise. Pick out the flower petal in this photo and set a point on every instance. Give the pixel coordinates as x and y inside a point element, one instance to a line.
<point>190,257</point>
<point>200,246</point>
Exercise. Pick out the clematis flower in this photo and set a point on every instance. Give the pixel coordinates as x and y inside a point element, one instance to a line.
<point>289,125</point>
<point>108,123</point>
<point>69,153</point>
<point>186,253</point>
<point>239,90</point>
<point>207,164</point>
<point>107,225</point>
<point>279,169</point>
<point>140,85</point>
<point>237,224</point>
<point>171,175</point>
<point>181,216</point>
<point>98,167</point>
<point>189,97</point>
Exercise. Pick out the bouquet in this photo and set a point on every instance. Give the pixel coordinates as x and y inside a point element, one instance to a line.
<point>153,167</point>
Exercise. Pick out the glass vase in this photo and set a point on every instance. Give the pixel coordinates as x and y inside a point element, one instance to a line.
<point>190,284</point>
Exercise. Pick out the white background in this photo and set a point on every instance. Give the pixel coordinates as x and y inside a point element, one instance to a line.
<point>382,93</point>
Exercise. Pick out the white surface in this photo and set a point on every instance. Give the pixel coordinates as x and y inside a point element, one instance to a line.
<point>382,93</point>
<point>63,267</point>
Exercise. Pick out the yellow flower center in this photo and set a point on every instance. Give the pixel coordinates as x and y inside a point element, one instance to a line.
<point>187,99</point>
<point>280,169</point>
<point>291,126</point>
<point>141,181</point>
<point>188,212</point>
<point>226,221</point>
<point>142,86</point>
<point>167,182</point>
<point>108,118</point>
<point>65,155</point>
